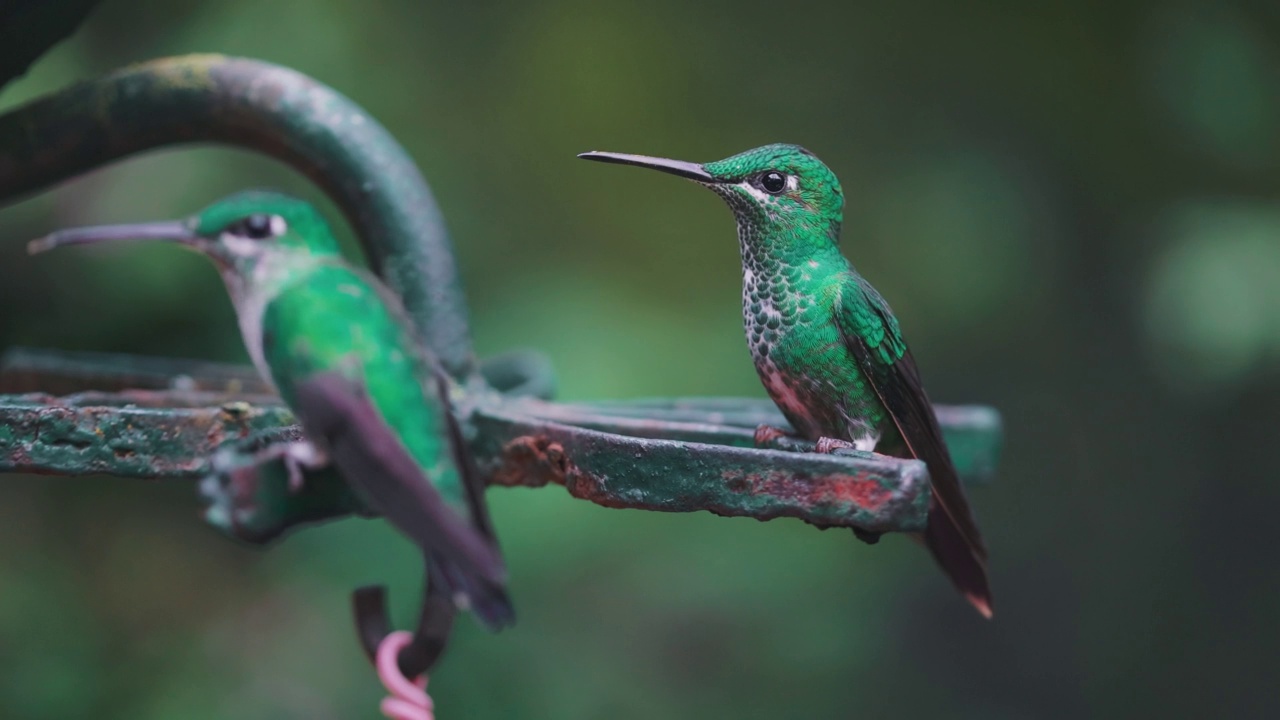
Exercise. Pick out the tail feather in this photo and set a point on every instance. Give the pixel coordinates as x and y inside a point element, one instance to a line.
<point>958,559</point>
<point>486,599</point>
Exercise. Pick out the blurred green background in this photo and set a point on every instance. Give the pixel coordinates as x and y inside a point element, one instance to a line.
<point>1073,208</point>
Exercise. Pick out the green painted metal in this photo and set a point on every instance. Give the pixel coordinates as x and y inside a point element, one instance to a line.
<point>624,471</point>
<point>273,110</point>
<point>672,455</point>
<point>139,433</point>
<point>63,413</point>
<point>973,433</point>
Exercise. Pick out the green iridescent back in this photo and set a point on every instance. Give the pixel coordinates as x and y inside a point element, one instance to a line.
<point>331,316</point>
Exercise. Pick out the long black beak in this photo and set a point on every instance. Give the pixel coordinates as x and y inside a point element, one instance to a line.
<point>172,231</point>
<point>692,171</point>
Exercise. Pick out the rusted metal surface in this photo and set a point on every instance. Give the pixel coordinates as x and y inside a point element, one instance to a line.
<point>617,471</point>
<point>57,435</point>
<point>973,433</point>
<point>671,455</point>
<point>622,471</point>
<point>139,436</point>
<point>273,110</point>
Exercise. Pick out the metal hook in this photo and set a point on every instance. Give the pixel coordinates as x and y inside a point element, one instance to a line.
<point>435,621</point>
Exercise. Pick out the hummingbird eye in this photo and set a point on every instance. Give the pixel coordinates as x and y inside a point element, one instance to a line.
<point>258,226</point>
<point>773,182</point>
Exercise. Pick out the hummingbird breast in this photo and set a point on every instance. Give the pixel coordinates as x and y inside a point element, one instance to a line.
<point>801,357</point>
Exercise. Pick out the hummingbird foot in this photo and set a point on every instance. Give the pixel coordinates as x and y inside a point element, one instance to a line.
<point>767,436</point>
<point>827,445</point>
<point>297,456</point>
<point>301,456</point>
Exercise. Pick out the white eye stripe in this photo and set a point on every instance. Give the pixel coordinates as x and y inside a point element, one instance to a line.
<point>754,191</point>
<point>240,246</point>
<point>250,227</point>
<point>793,183</point>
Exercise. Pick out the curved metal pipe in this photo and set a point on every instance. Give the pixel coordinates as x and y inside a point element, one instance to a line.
<point>273,110</point>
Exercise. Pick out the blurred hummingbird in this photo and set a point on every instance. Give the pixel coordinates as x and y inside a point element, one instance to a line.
<point>336,344</point>
<point>825,344</point>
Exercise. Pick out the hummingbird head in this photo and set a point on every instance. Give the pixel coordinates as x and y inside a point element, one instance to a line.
<point>237,232</point>
<point>778,193</point>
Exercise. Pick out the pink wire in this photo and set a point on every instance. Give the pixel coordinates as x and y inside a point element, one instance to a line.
<point>409,699</point>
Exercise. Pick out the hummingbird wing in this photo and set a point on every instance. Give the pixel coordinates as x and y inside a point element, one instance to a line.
<point>362,385</point>
<point>336,413</point>
<point>871,333</point>
<point>494,606</point>
<point>429,367</point>
<point>471,480</point>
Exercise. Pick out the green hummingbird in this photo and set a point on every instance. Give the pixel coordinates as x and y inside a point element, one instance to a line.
<point>337,346</point>
<point>825,344</point>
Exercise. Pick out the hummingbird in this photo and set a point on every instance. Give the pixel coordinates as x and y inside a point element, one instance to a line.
<point>825,344</point>
<point>336,345</point>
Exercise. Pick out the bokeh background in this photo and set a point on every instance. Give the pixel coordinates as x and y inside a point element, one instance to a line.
<point>1073,208</point>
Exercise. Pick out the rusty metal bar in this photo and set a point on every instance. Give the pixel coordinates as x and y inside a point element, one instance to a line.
<point>973,433</point>
<point>622,471</point>
<point>175,433</point>
<point>846,489</point>
<point>144,434</point>
<point>674,455</point>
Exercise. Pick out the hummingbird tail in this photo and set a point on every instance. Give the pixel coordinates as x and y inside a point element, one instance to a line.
<point>486,599</point>
<point>958,560</point>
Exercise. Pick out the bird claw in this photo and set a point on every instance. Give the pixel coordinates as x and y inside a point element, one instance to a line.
<point>767,435</point>
<point>294,468</point>
<point>297,456</point>
<point>827,445</point>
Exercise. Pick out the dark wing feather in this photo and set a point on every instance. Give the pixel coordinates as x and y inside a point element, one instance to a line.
<point>337,414</point>
<point>872,335</point>
<point>493,605</point>
<point>472,483</point>
<point>429,367</point>
<point>912,412</point>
